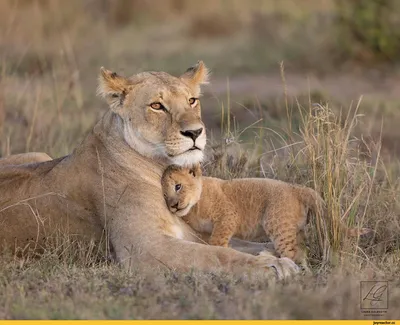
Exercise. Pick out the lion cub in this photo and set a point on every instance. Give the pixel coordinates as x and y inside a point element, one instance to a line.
<point>247,208</point>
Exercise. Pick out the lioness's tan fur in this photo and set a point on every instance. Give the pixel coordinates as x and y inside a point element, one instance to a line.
<point>247,208</point>
<point>111,183</point>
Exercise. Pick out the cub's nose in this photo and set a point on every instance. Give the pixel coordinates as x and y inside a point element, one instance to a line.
<point>193,134</point>
<point>173,204</point>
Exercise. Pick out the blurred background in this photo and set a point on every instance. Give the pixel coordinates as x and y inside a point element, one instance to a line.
<point>332,50</point>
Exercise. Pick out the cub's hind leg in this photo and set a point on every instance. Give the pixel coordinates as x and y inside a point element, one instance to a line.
<point>302,258</point>
<point>283,231</point>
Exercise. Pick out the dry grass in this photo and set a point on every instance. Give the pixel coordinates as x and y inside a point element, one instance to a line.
<point>50,55</point>
<point>52,290</point>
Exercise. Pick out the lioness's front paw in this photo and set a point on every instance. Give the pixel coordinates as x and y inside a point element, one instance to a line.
<point>284,267</point>
<point>288,266</point>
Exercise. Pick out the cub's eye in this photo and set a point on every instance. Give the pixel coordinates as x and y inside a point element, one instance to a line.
<point>193,101</point>
<point>191,172</point>
<point>157,106</point>
<point>178,187</point>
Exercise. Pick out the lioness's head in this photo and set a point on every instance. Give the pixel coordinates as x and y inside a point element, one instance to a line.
<point>182,188</point>
<point>159,114</point>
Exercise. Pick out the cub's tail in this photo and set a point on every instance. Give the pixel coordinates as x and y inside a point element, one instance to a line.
<point>317,206</point>
<point>312,200</point>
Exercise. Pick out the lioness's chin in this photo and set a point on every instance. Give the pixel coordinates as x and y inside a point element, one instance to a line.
<point>188,158</point>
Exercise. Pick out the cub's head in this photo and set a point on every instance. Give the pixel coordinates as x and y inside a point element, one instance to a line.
<point>182,188</point>
<point>159,115</point>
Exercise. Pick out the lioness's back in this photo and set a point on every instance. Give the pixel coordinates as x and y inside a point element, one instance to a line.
<point>25,158</point>
<point>16,179</point>
<point>28,198</point>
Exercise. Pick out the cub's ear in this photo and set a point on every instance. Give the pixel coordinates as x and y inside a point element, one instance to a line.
<point>112,87</point>
<point>196,170</point>
<point>196,75</point>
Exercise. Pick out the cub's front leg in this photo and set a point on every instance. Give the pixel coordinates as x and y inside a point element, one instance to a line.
<point>223,230</point>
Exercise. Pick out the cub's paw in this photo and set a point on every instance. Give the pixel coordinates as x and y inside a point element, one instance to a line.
<point>284,267</point>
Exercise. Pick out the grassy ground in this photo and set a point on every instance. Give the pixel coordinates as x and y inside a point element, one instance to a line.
<point>52,290</point>
<point>258,125</point>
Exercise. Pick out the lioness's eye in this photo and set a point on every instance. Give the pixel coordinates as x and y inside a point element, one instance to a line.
<point>178,187</point>
<point>157,106</point>
<point>193,101</point>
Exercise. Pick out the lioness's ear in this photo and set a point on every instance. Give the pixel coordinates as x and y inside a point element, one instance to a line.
<point>196,75</point>
<point>112,87</point>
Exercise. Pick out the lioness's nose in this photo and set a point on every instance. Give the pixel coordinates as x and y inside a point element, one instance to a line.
<point>193,134</point>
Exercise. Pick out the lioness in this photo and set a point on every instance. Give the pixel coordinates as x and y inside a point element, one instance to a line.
<point>112,181</point>
<point>248,208</point>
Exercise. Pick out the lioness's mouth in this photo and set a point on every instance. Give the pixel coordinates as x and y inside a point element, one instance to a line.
<point>191,149</point>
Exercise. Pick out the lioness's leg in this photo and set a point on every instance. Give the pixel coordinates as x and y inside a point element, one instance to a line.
<point>250,247</point>
<point>244,246</point>
<point>182,255</point>
<point>141,243</point>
